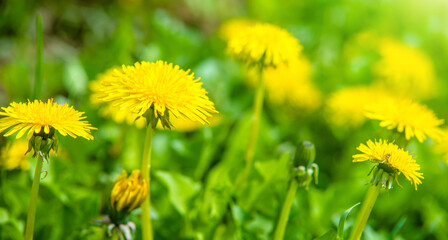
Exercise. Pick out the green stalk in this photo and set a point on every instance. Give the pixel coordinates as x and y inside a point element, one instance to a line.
<point>39,59</point>
<point>33,200</point>
<point>256,115</point>
<point>146,167</point>
<point>284,215</point>
<point>364,213</point>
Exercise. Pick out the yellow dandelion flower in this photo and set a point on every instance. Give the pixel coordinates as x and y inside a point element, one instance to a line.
<point>12,156</point>
<point>264,44</point>
<point>346,107</point>
<point>107,109</point>
<point>36,116</point>
<point>405,115</point>
<point>158,90</point>
<point>129,193</point>
<point>234,26</point>
<point>405,70</point>
<point>391,159</point>
<point>291,86</point>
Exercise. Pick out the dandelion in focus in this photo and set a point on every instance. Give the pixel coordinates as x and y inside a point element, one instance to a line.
<point>390,161</point>
<point>405,115</point>
<point>37,116</point>
<point>405,70</point>
<point>42,120</point>
<point>156,91</point>
<point>12,156</point>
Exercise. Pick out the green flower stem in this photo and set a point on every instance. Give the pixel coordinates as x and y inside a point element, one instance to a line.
<point>39,59</point>
<point>146,167</point>
<point>33,199</point>
<point>284,215</point>
<point>364,213</point>
<point>256,115</point>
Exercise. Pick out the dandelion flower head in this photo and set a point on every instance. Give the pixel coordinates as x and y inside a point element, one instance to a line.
<point>12,156</point>
<point>37,116</point>
<point>391,159</point>
<point>160,90</point>
<point>405,70</point>
<point>264,44</point>
<point>405,115</point>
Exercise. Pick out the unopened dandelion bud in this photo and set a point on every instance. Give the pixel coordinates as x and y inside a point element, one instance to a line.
<point>305,154</point>
<point>128,193</point>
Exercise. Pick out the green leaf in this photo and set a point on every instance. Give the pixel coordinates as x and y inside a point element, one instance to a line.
<point>397,228</point>
<point>75,77</point>
<point>180,187</point>
<point>4,216</point>
<point>340,234</point>
<point>274,170</point>
<point>330,235</point>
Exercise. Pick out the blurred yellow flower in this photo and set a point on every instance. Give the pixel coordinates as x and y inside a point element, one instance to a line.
<point>107,109</point>
<point>346,107</point>
<point>391,159</point>
<point>13,157</point>
<point>264,44</point>
<point>38,115</point>
<point>234,26</point>
<point>405,70</point>
<point>405,115</point>
<point>129,193</point>
<point>291,86</point>
<point>156,91</point>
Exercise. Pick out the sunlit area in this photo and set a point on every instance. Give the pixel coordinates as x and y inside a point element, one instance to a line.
<point>223,120</point>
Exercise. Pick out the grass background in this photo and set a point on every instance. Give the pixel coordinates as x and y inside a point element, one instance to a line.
<point>84,38</point>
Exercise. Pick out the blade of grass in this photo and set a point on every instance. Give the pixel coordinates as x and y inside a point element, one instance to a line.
<point>39,59</point>
<point>340,234</point>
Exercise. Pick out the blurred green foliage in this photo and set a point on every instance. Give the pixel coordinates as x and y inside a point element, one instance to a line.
<point>84,38</point>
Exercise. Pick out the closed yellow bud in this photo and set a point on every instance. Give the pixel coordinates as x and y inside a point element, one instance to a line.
<point>128,193</point>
